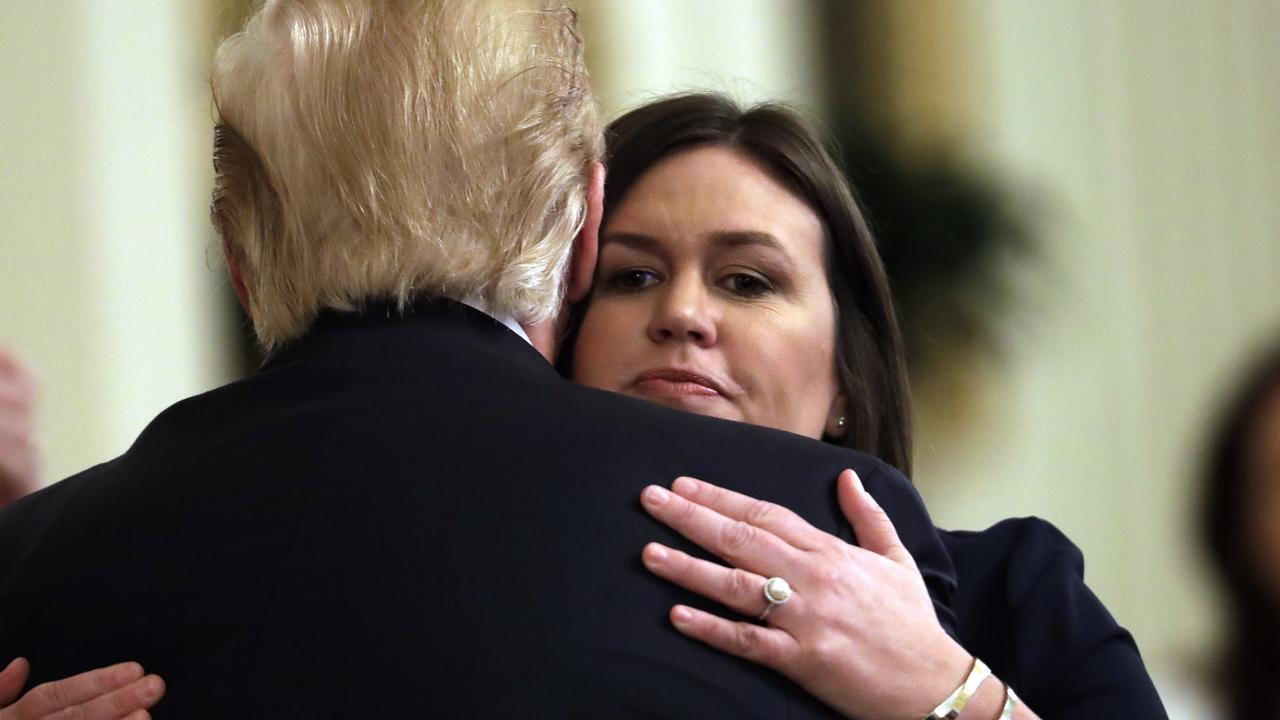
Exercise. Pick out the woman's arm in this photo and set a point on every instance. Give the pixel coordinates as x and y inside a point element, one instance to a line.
<point>859,631</point>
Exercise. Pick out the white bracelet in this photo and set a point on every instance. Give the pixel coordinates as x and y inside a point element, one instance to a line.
<point>1010,700</point>
<point>955,702</point>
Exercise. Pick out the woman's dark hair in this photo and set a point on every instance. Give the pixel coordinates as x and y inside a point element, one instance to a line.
<point>869,354</point>
<point>1251,671</point>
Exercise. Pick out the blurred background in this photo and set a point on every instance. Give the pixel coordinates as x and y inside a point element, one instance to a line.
<point>1078,203</point>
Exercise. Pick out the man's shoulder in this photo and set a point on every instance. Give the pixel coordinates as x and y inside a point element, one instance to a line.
<point>42,506</point>
<point>643,423</point>
<point>782,464</point>
<point>26,523</point>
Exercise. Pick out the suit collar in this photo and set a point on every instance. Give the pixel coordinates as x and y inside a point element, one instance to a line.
<point>441,320</point>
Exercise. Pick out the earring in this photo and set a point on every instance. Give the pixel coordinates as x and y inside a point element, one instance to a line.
<point>840,421</point>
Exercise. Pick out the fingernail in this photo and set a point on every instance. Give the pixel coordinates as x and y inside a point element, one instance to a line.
<point>151,687</point>
<point>857,481</point>
<point>655,553</point>
<point>680,615</point>
<point>654,495</point>
<point>685,485</point>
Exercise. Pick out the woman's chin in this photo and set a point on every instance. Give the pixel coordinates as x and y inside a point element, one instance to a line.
<point>710,405</point>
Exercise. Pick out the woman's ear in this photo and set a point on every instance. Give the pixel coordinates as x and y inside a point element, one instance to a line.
<point>582,264</point>
<point>837,417</point>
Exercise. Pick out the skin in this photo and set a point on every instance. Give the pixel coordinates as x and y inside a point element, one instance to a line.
<point>118,692</point>
<point>715,297</point>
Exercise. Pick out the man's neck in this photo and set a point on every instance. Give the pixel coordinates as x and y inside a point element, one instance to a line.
<point>544,338</point>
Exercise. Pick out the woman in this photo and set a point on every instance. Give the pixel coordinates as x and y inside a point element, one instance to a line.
<point>1242,526</point>
<point>737,278</point>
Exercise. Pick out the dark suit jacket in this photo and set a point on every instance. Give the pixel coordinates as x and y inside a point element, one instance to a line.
<point>1025,610</point>
<point>403,516</point>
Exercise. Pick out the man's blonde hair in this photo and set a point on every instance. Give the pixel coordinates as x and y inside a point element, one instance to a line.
<point>392,149</point>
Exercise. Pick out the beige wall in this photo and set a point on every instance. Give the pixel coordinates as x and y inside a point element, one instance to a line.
<point>1147,135</point>
<point>750,49</point>
<point>104,284</point>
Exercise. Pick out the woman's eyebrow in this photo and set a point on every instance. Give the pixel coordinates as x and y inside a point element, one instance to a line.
<point>635,241</point>
<point>721,239</point>
<point>748,238</point>
<point>739,238</point>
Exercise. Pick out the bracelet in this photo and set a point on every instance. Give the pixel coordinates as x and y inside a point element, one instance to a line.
<point>955,702</point>
<point>1010,700</point>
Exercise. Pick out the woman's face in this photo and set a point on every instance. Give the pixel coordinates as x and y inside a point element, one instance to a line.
<point>711,297</point>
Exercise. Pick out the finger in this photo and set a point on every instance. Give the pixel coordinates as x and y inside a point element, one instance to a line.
<point>138,695</point>
<point>8,361</point>
<point>740,543</point>
<point>872,526</point>
<point>16,381</point>
<point>775,518</point>
<point>12,678</point>
<point>770,647</point>
<point>12,366</point>
<point>17,431</point>
<point>736,589</point>
<point>54,696</point>
<point>16,399</point>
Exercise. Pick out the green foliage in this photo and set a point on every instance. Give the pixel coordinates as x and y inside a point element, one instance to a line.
<point>945,232</point>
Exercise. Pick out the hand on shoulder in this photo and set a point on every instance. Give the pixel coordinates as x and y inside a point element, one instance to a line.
<point>118,692</point>
<point>853,625</point>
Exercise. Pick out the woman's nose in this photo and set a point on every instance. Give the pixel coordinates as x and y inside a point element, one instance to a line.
<point>684,313</point>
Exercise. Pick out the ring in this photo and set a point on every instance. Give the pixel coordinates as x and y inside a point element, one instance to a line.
<point>777,592</point>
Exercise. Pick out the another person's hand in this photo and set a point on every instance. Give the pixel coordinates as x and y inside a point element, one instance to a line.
<point>859,631</point>
<point>118,692</point>
<point>18,460</point>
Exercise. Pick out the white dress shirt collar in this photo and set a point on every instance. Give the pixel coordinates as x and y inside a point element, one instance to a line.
<point>476,303</point>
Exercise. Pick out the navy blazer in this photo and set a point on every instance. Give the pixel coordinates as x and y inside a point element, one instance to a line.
<point>1024,609</point>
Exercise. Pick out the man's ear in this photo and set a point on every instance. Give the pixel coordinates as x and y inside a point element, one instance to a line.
<point>586,248</point>
<point>237,279</point>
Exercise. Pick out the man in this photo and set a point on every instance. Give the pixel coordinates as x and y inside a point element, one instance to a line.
<point>406,510</point>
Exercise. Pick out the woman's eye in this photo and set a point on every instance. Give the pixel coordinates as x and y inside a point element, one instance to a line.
<point>633,279</point>
<point>747,285</point>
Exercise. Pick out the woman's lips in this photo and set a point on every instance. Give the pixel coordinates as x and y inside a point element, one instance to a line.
<point>672,383</point>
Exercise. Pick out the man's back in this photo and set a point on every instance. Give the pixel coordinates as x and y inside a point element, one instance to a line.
<point>406,515</point>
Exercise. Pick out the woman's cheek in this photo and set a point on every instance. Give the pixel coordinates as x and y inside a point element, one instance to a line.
<point>595,356</point>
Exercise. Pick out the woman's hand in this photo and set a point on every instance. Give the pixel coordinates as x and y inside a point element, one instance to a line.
<point>119,692</point>
<point>859,632</point>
